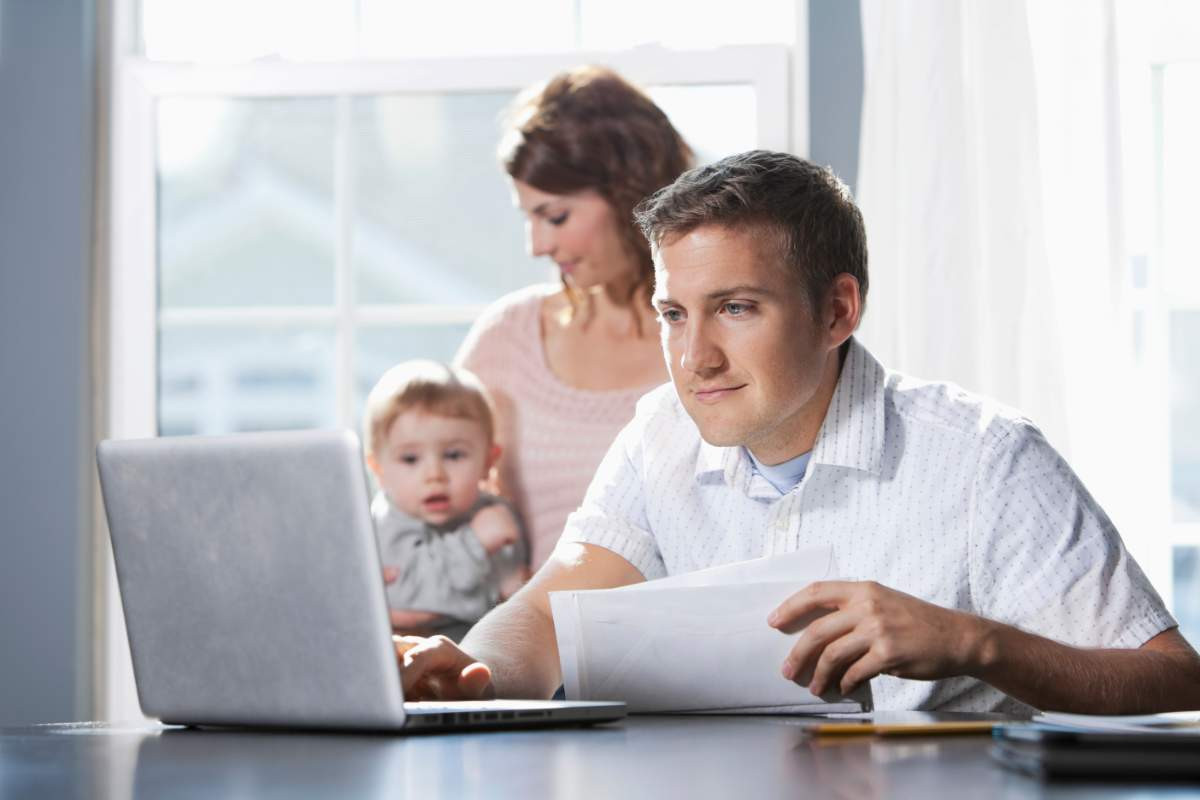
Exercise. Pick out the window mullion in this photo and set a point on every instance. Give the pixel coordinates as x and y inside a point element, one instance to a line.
<point>343,203</point>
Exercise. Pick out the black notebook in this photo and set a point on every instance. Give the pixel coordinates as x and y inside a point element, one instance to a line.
<point>1052,751</point>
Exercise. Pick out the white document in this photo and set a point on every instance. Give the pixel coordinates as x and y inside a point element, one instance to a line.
<point>693,642</point>
<point>1181,722</point>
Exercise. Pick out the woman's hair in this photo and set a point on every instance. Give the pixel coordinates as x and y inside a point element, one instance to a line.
<point>589,128</point>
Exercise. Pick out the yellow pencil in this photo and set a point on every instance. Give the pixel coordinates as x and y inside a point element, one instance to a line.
<point>903,728</point>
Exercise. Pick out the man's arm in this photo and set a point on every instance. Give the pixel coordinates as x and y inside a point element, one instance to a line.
<point>511,652</point>
<point>1162,675</point>
<point>870,630</point>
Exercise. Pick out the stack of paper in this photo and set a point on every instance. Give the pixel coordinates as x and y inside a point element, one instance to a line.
<point>693,642</point>
<point>1185,723</point>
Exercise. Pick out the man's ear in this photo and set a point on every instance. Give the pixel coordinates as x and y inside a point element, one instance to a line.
<point>373,464</point>
<point>843,308</point>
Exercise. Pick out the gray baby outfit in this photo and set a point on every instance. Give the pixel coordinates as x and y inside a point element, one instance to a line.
<point>444,568</point>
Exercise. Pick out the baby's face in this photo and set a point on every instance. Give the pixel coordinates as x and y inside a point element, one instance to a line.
<point>430,466</point>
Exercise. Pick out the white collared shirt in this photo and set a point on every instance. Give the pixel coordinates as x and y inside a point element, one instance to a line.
<point>920,486</point>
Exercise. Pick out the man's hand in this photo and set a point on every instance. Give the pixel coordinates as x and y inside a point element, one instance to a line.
<point>435,669</point>
<point>495,527</point>
<point>868,630</point>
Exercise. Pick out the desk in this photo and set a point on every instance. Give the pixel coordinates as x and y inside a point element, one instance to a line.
<point>733,758</point>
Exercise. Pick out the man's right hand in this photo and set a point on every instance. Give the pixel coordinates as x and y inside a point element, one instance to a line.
<point>436,669</point>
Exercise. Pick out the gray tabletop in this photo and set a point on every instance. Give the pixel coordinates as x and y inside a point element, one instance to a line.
<point>646,756</point>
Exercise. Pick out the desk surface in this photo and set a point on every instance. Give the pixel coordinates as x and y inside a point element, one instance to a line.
<point>736,758</point>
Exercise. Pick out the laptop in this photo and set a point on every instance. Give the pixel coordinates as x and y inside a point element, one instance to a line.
<point>253,592</point>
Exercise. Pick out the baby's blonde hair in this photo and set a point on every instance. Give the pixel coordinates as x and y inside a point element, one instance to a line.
<point>430,386</point>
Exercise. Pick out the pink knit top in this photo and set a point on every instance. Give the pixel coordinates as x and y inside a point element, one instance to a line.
<point>553,435</point>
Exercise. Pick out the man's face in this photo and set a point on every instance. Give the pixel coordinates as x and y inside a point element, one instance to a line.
<point>750,362</point>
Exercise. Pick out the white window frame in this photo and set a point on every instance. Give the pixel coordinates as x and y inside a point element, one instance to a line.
<point>778,73</point>
<point>1162,301</point>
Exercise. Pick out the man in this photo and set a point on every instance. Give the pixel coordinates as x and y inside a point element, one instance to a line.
<point>992,580</point>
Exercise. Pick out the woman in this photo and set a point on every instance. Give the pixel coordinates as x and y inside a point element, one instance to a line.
<point>565,363</point>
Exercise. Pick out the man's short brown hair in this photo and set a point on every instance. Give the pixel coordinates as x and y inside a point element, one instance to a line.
<point>428,386</point>
<point>819,228</point>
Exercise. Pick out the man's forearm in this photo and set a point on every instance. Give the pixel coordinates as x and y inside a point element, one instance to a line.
<point>1055,677</point>
<point>516,640</point>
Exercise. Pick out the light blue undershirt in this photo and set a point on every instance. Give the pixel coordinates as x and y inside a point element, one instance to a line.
<point>785,476</point>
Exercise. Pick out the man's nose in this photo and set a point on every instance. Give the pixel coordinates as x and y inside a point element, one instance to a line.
<point>701,354</point>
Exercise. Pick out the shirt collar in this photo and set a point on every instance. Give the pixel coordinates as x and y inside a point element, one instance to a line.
<point>851,435</point>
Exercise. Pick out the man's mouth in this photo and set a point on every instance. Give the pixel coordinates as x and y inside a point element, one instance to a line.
<point>567,266</point>
<point>715,394</point>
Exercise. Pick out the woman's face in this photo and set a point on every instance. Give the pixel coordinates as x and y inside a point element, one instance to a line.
<point>579,232</point>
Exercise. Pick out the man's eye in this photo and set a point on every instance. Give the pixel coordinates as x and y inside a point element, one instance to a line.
<point>736,309</point>
<point>671,315</point>
<point>558,219</point>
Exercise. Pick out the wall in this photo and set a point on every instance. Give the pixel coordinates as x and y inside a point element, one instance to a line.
<point>835,85</point>
<point>46,133</point>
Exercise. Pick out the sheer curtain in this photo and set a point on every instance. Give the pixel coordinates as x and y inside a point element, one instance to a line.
<point>990,177</point>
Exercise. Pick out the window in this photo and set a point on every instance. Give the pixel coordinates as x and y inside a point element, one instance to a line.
<point>1178,262</point>
<point>315,240</point>
<point>1161,123</point>
<point>305,194</point>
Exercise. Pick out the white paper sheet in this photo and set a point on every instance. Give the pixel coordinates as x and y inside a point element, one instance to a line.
<point>1181,722</point>
<point>691,642</point>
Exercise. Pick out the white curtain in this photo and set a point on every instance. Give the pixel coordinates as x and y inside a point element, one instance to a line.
<point>990,178</point>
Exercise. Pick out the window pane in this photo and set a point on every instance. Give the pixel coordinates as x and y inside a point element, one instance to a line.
<point>246,211</point>
<point>716,121</point>
<point>378,349</point>
<point>433,219</point>
<point>1186,590</point>
<point>418,28</point>
<point>1181,179</point>
<point>244,378</point>
<point>1185,415</point>
<point>614,24</point>
<point>229,31</point>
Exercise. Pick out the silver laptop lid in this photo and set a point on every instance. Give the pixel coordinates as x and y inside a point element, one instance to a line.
<point>250,579</point>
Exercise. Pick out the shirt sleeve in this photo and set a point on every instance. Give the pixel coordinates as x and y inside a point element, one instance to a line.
<point>613,513</point>
<point>1046,558</point>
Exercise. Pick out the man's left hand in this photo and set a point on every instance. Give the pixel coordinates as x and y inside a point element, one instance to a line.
<point>868,630</point>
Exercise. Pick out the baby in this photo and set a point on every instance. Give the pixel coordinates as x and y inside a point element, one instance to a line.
<point>450,551</point>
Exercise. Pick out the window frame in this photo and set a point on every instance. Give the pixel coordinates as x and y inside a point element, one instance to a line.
<point>777,72</point>
<point>1159,302</point>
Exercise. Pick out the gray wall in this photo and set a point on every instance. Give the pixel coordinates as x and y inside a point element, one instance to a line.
<point>46,133</point>
<point>835,85</point>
